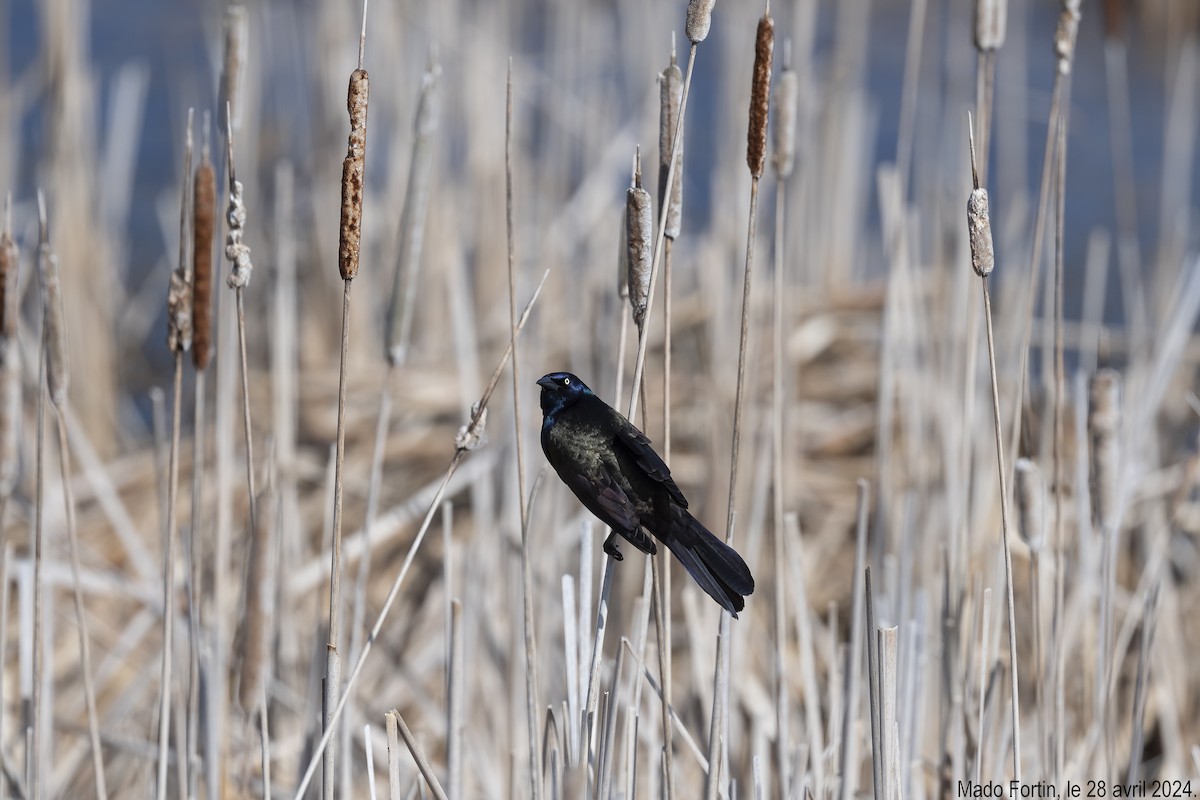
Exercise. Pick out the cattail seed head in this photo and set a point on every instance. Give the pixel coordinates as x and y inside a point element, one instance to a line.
<point>760,96</point>
<point>1114,19</point>
<point>179,293</point>
<point>352,175</point>
<point>991,22</point>
<point>670,95</point>
<point>787,93</point>
<point>1031,496</point>
<point>699,19</point>
<point>233,66</point>
<point>639,227</point>
<point>1103,424</point>
<point>979,226</point>
<point>1065,35</point>
<point>204,209</point>
<point>53,318</point>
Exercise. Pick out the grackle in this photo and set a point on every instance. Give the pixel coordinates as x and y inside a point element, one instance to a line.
<point>611,467</point>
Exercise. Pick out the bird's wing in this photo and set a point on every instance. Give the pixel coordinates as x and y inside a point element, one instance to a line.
<point>647,460</point>
<point>604,498</point>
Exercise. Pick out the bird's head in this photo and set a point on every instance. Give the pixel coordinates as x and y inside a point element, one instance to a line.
<point>559,390</point>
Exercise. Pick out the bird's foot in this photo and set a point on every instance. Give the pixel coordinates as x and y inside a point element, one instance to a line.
<point>610,547</point>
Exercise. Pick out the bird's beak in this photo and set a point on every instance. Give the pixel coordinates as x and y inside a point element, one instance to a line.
<point>546,382</point>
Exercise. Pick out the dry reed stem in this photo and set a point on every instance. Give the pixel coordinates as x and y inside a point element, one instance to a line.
<point>982,261</point>
<point>254,636</point>
<point>353,176</point>
<point>393,748</point>
<point>412,220</point>
<point>639,225</point>
<point>699,19</point>
<point>1149,624</point>
<point>467,438</point>
<point>888,646</point>
<point>873,688</point>
<point>718,728</point>
<point>34,731</point>
<point>848,754</point>
<point>418,755</point>
<point>457,700</point>
<point>204,204</point>
<point>528,623</point>
<point>760,95</point>
<point>85,658</point>
<point>10,367</point>
<point>164,718</point>
<point>787,93</point>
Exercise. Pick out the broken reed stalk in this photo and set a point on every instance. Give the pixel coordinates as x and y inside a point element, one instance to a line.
<point>204,203</point>
<point>848,767</point>
<point>979,227</point>
<point>1064,45</point>
<point>756,151</point>
<point>414,747</point>
<point>36,720</point>
<point>469,437</point>
<point>54,332</point>
<point>349,240</point>
<point>783,160</point>
<point>531,675</point>
<point>179,340</point>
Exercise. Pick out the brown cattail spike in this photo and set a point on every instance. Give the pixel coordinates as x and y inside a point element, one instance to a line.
<point>1103,423</point>
<point>1114,19</point>
<point>699,19</point>
<point>787,93</point>
<point>991,23</point>
<point>670,96</point>
<point>1031,494</point>
<point>639,226</point>
<point>760,96</point>
<point>352,175</point>
<point>53,316</point>
<point>204,209</point>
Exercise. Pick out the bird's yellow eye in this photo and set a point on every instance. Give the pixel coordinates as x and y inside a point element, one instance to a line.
<point>566,381</point>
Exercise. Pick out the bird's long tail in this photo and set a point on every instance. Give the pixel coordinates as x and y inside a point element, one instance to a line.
<point>714,565</point>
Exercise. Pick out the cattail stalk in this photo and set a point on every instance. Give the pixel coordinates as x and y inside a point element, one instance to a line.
<point>979,227</point>
<point>783,160</point>
<point>350,234</point>
<point>259,612</point>
<point>58,380</point>
<point>756,150</point>
<point>531,674</point>
<point>670,198</point>
<point>991,23</point>
<point>412,221</point>
<point>1031,526</point>
<point>10,409</point>
<point>204,201</point>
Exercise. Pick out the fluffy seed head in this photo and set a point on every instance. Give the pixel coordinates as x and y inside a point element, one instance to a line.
<point>699,18</point>
<point>979,226</point>
<point>9,265</point>
<point>786,93</point>
<point>1103,423</point>
<point>991,22</point>
<point>1031,493</point>
<point>670,95</point>
<point>639,226</point>
<point>53,320</point>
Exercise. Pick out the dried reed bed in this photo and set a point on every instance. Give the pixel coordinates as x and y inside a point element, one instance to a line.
<point>870,368</point>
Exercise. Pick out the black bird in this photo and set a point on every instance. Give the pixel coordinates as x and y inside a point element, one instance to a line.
<point>611,467</point>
